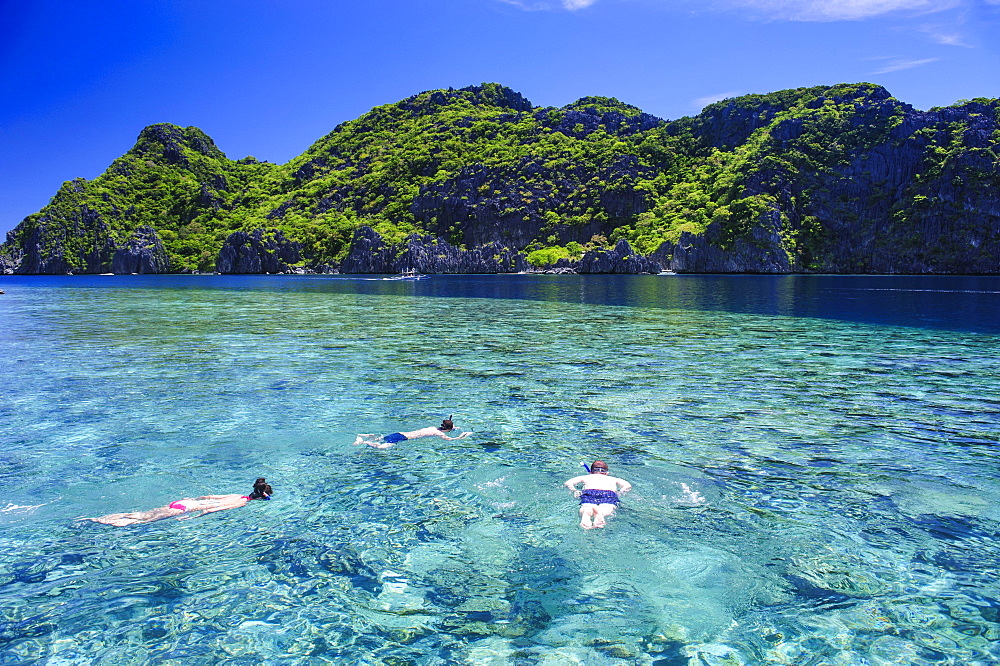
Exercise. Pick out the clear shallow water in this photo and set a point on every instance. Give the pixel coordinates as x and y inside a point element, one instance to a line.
<point>814,462</point>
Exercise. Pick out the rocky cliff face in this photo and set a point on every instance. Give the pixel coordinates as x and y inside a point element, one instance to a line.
<point>923,201</point>
<point>902,191</point>
<point>842,179</point>
<point>41,249</point>
<point>427,254</point>
<point>622,260</point>
<point>258,252</point>
<point>142,253</point>
<point>761,252</point>
<point>513,206</point>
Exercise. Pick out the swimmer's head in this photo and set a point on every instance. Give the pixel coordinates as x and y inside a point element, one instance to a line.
<point>599,467</point>
<point>261,489</point>
<point>447,424</point>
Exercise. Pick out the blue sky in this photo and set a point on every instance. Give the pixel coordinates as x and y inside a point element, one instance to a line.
<point>78,81</point>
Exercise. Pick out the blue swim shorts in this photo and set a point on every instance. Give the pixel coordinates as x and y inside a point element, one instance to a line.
<point>599,497</point>
<point>394,437</point>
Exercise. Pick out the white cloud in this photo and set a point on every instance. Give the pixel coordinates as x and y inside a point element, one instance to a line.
<point>789,10</point>
<point>529,6</point>
<point>948,38</point>
<point>948,34</point>
<point>838,10</point>
<point>702,102</point>
<point>896,64</point>
<point>549,5</point>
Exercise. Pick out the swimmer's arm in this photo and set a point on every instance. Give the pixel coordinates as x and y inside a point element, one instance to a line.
<point>575,480</point>
<point>625,486</point>
<point>464,434</point>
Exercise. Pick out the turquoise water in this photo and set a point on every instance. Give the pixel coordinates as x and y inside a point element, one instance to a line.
<point>814,462</point>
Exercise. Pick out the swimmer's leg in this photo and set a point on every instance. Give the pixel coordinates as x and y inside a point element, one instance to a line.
<point>603,512</point>
<point>380,445</point>
<point>587,514</point>
<point>116,519</point>
<point>134,517</point>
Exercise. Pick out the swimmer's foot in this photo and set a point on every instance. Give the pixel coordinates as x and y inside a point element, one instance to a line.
<point>359,440</point>
<point>586,526</point>
<point>379,445</point>
<point>599,523</point>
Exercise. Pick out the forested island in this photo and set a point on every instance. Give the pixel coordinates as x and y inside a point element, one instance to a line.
<point>831,179</point>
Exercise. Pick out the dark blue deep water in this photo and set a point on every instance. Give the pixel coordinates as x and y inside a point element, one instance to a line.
<point>814,462</point>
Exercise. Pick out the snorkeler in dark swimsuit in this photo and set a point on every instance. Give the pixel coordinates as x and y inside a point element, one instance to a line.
<point>599,495</point>
<point>386,441</point>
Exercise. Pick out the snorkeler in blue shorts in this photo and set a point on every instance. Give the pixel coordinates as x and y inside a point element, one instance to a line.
<point>599,496</point>
<point>590,496</point>
<point>386,441</point>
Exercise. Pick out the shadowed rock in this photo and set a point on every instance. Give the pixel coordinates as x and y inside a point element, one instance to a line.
<point>143,253</point>
<point>257,252</point>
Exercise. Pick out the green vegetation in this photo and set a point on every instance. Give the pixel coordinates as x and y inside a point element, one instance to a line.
<point>481,164</point>
<point>174,180</point>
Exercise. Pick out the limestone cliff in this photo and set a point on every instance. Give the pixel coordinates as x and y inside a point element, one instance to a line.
<point>842,179</point>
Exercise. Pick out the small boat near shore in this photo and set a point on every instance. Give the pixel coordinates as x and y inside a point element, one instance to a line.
<point>407,275</point>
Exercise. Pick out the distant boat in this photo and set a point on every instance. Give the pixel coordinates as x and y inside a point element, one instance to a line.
<point>666,272</point>
<point>407,275</point>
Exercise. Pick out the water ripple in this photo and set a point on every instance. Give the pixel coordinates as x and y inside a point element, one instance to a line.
<point>807,489</point>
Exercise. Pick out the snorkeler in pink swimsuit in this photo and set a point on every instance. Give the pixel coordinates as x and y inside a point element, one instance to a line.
<point>205,504</point>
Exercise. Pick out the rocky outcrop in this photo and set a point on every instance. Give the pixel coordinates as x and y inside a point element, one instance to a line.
<point>622,260</point>
<point>486,94</point>
<point>258,252</point>
<point>923,201</point>
<point>11,255</point>
<point>40,249</point>
<point>512,206</point>
<point>143,253</point>
<point>898,191</point>
<point>760,251</point>
<point>369,253</point>
<point>586,116</point>
<point>836,179</point>
<point>170,142</point>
